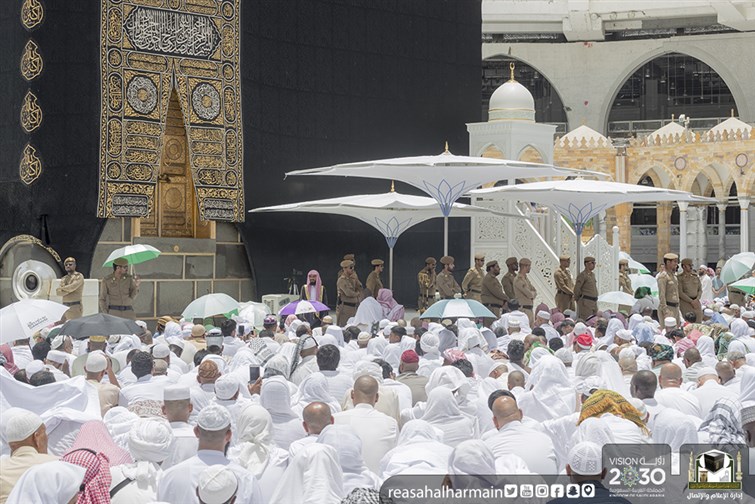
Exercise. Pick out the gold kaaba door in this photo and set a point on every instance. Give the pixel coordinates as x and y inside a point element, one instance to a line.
<point>176,213</point>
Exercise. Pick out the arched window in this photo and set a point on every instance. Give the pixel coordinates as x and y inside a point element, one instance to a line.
<point>644,214</point>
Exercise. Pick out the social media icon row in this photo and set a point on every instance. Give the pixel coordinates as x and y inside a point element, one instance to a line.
<point>555,491</point>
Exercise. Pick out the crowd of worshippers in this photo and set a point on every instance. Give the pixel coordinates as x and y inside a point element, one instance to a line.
<point>294,414</point>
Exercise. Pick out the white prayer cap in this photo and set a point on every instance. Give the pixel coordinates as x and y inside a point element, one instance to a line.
<point>214,418</point>
<point>367,368</point>
<point>160,351</point>
<point>514,322</point>
<point>387,329</point>
<point>57,356</point>
<point>544,315</point>
<point>585,459</point>
<point>669,322</point>
<point>308,342</point>
<point>589,385</point>
<point>383,323</point>
<point>96,362</point>
<point>34,367</point>
<point>580,328</point>
<point>141,323</point>
<point>571,314</point>
<point>176,393</point>
<point>565,355</point>
<point>364,336</point>
<point>708,312</point>
<point>214,340</point>
<point>150,439</point>
<point>706,371</point>
<point>57,342</point>
<point>748,314</point>
<point>626,353</point>
<point>734,307</point>
<point>226,387</point>
<point>215,331</point>
<point>625,334</point>
<point>218,360</point>
<point>217,484</point>
<point>429,342</point>
<point>19,424</point>
<point>410,330</point>
<point>175,340</point>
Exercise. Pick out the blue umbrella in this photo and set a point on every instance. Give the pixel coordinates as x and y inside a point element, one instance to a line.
<point>457,308</point>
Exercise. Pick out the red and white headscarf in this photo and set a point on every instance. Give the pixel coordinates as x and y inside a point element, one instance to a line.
<point>96,485</point>
<point>318,287</point>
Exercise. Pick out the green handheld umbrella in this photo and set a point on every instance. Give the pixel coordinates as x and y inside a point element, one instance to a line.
<point>738,266</point>
<point>747,285</point>
<point>134,254</point>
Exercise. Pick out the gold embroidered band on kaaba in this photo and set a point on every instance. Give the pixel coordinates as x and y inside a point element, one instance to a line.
<point>148,48</point>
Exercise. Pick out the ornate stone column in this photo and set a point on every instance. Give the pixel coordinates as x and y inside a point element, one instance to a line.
<point>663,222</point>
<point>721,229</point>
<point>744,225</point>
<point>623,214</point>
<point>683,205</point>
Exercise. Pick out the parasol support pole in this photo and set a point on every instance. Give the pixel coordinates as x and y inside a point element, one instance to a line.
<point>445,235</point>
<point>390,268</point>
<point>578,266</point>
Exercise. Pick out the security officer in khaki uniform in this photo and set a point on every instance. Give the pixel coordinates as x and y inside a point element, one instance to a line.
<point>668,288</point>
<point>349,292</point>
<point>118,290</point>
<point>472,283</point>
<point>373,282</point>
<point>492,295</point>
<point>71,289</point>
<point>586,290</point>
<point>690,290</point>
<point>507,281</point>
<point>524,291</point>
<point>426,281</point>
<point>625,283</point>
<point>445,281</point>
<point>564,285</point>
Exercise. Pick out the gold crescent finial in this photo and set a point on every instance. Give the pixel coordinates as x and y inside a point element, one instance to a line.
<point>446,145</point>
<point>511,69</point>
<point>393,187</point>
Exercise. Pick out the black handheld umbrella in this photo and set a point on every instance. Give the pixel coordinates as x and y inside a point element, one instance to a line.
<point>99,324</point>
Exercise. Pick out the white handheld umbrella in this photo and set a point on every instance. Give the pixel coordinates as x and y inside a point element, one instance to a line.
<point>445,177</point>
<point>209,305</point>
<point>747,285</point>
<point>22,319</point>
<point>581,200</point>
<point>253,312</point>
<point>134,254</point>
<point>633,265</point>
<point>737,266</point>
<point>390,213</point>
<point>640,280</point>
<point>617,297</point>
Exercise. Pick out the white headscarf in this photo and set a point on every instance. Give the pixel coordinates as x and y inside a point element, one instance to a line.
<point>49,482</point>
<point>313,477</point>
<point>449,377</point>
<point>337,333</point>
<point>550,394</point>
<point>443,412</point>
<point>739,328</point>
<point>634,320</point>
<point>420,450</point>
<point>747,387</point>
<point>674,428</point>
<point>275,397</point>
<point>314,387</point>
<point>150,441</point>
<point>119,421</point>
<point>706,348</point>
<point>471,458</point>
<point>254,427</point>
<point>429,342</point>
<point>376,346</point>
<point>614,326</point>
<point>349,448</point>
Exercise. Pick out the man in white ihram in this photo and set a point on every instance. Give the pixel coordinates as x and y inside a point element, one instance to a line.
<point>213,429</point>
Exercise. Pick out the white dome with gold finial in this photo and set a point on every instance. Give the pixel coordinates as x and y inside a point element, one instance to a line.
<point>511,102</point>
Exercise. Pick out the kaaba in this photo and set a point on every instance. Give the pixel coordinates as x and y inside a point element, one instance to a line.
<point>165,121</point>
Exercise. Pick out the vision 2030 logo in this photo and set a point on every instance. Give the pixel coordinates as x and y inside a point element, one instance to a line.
<point>715,470</point>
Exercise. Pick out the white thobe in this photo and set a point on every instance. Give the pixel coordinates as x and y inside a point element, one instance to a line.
<point>145,389</point>
<point>338,384</point>
<point>709,393</point>
<point>297,445</point>
<point>179,483</point>
<point>306,367</point>
<point>403,392</point>
<point>534,447</point>
<point>21,356</point>
<point>378,432</point>
<point>135,492</point>
<point>674,397</point>
<point>184,446</point>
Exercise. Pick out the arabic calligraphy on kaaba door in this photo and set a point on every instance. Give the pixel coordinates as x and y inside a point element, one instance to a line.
<point>170,32</point>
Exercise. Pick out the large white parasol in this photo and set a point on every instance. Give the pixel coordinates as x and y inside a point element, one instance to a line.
<point>390,213</point>
<point>581,200</point>
<point>445,177</point>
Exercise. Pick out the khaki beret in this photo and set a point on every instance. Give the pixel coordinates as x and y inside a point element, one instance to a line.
<point>447,260</point>
<point>430,260</point>
<point>97,339</point>
<point>510,261</point>
<point>377,262</point>
<point>490,264</point>
<point>687,261</point>
<point>623,261</point>
<point>670,257</point>
<point>348,257</point>
<point>347,263</point>
<point>69,260</point>
<point>589,259</point>
<point>479,256</point>
<point>120,262</point>
<point>524,260</point>
<point>564,258</point>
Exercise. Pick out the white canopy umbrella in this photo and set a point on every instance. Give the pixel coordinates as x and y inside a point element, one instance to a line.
<point>633,265</point>
<point>390,213</point>
<point>642,280</point>
<point>581,200</point>
<point>211,304</point>
<point>22,319</point>
<point>617,297</point>
<point>445,177</point>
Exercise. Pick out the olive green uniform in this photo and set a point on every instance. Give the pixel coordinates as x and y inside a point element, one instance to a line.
<point>668,296</point>
<point>447,285</point>
<point>71,290</point>
<point>525,293</point>
<point>349,290</point>
<point>117,296</point>
<point>564,289</point>
<point>736,296</point>
<point>492,295</point>
<point>426,283</point>
<point>690,289</point>
<point>472,283</point>
<point>507,282</point>
<point>625,285</point>
<point>373,283</point>
<point>586,294</point>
